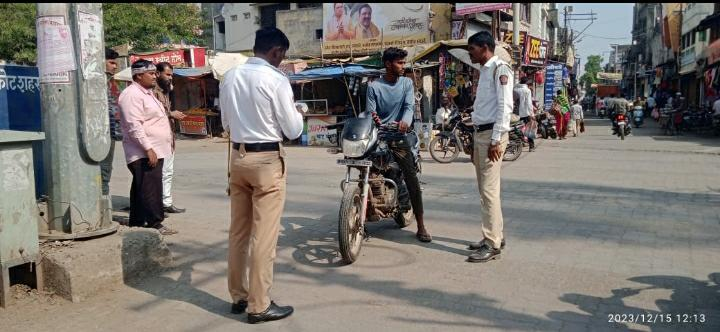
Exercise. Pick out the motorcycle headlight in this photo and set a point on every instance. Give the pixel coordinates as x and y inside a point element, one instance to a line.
<point>354,149</point>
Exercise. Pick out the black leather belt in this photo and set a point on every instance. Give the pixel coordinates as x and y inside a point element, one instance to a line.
<point>484,127</point>
<point>258,147</point>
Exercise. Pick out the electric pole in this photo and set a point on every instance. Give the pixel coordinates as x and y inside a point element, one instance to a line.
<point>516,39</point>
<point>75,120</point>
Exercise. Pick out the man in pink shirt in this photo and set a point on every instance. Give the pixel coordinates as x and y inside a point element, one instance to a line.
<point>147,140</point>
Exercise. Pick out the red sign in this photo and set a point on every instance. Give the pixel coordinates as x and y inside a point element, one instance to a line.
<point>193,125</point>
<point>175,57</point>
<point>713,52</point>
<point>536,51</point>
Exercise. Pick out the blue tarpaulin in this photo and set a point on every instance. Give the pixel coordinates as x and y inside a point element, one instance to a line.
<point>334,72</point>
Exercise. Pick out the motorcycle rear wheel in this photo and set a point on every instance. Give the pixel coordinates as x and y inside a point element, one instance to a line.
<point>350,231</point>
<point>513,151</point>
<point>404,219</point>
<point>443,149</point>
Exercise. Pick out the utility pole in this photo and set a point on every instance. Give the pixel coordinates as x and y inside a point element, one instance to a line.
<point>76,124</point>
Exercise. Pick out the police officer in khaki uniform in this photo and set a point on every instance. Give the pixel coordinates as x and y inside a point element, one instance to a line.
<point>257,108</point>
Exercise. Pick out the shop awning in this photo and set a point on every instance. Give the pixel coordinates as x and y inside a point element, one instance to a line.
<point>192,72</point>
<point>333,72</point>
<point>418,52</point>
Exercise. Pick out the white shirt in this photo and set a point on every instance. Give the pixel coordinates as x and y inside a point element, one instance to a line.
<point>651,102</point>
<point>494,101</point>
<point>256,104</point>
<point>442,115</point>
<point>716,107</point>
<point>523,95</point>
<point>577,112</point>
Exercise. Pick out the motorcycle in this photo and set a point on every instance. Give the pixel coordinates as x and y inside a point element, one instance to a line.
<point>620,125</point>
<point>638,116</point>
<point>516,138</point>
<point>380,191</point>
<point>456,135</point>
<point>546,125</point>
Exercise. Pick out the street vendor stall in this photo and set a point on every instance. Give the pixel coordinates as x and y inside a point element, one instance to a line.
<point>332,93</point>
<point>195,93</point>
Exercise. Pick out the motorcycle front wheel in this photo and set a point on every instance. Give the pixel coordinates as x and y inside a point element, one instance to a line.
<point>444,149</point>
<point>350,229</point>
<point>513,151</point>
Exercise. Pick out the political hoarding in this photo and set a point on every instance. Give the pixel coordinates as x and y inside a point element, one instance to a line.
<point>366,27</point>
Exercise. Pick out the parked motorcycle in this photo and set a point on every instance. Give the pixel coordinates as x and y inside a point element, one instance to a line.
<point>638,116</point>
<point>457,135</point>
<point>546,125</point>
<point>516,137</point>
<point>380,191</point>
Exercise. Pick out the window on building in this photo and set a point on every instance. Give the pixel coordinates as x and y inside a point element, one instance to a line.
<point>692,36</point>
<point>318,33</point>
<point>233,17</point>
<point>267,14</point>
<point>221,26</point>
<point>702,36</point>
<point>525,12</point>
<point>310,5</point>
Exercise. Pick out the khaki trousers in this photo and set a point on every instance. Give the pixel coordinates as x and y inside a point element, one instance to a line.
<point>257,199</point>
<point>488,179</point>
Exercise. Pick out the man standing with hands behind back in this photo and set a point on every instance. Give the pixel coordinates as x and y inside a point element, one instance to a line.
<point>491,117</point>
<point>257,109</point>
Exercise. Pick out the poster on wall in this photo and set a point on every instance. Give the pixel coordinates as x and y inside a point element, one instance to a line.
<point>317,132</point>
<point>553,81</point>
<point>91,44</point>
<point>56,55</point>
<point>365,27</point>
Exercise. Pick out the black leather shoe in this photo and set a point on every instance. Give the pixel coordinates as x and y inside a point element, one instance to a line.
<point>485,254</point>
<point>239,307</point>
<point>273,312</point>
<point>478,245</point>
<point>173,209</point>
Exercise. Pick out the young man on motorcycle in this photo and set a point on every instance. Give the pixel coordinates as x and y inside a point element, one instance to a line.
<point>390,99</point>
<point>523,97</point>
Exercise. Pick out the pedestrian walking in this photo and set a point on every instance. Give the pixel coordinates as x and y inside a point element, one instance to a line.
<point>390,99</point>
<point>106,165</point>
<point>491,117</point>
<point>257,109</point>
<point>147,142</point>
<point>522,96</point>
<point>162,93</point>
<point>556,111</point>
<point>577,117</point>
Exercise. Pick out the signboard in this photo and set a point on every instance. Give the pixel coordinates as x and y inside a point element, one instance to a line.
<point>91,43</point>
<point>193,125</point>
<point>609,76</point>
<point>366,27</point>
<point>174,57</point>
<point>553,81</point>
<point>713,52</point>
<point>317,132</point>
<point>508,37</point>
<point>535,51</point>
<point>472,8</point>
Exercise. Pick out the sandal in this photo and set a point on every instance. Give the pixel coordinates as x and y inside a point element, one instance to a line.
<point>423,237</point>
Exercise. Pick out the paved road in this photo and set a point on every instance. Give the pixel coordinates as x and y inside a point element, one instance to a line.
<point>595,226</point>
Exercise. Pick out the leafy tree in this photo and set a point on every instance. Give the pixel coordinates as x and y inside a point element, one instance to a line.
<point>17,32</point>
<point>592,67</point>
<point>146,25</point>
<point>142,25</point>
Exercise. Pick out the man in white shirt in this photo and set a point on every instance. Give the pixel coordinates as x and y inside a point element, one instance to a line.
<point>442,116</point>
<point>257,108</point>
<point>522,96</point>
<point>491,117</point>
